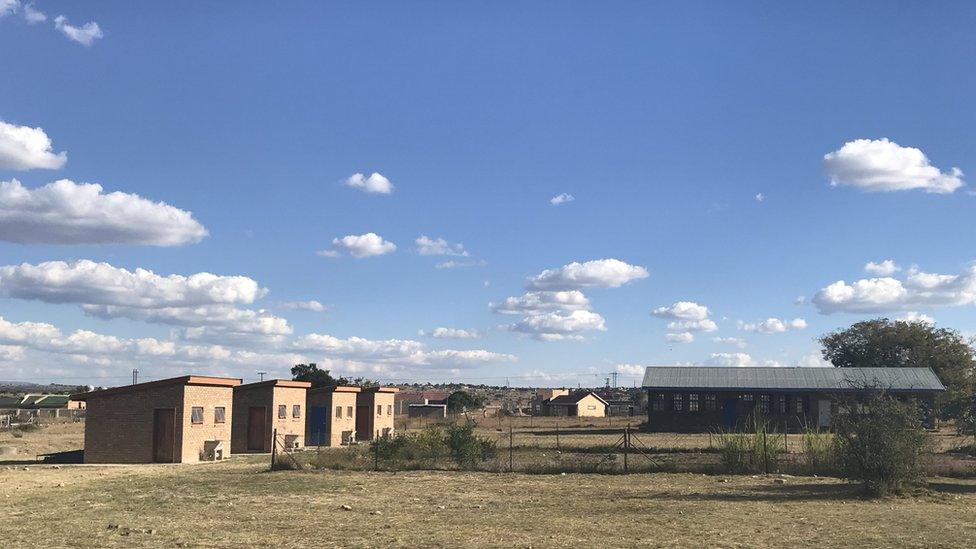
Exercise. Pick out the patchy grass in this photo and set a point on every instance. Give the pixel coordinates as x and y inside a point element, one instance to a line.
<point>240,503</point>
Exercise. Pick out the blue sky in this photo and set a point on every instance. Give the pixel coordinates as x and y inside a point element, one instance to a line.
<point>664,122</point>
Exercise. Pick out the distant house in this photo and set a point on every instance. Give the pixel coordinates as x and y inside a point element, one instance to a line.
<point>578,404</point>
<point>541,399</point>
<point>698,399</point>
<point>374,412</point>
<point>621,407</point>
<point>404,399</point>
<point>332,416</point>
<point>428,411</point>
<point>32,404</point>
<point>182,419</point>
<point>265,408</point>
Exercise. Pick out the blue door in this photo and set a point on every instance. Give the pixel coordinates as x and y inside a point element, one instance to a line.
<point>318,431</point>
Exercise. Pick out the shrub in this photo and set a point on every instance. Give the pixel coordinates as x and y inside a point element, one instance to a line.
<point>818,451</point>
<point>754,452</point>
<point>878,443</point>
<point>432,446</point>
<point>466,448</point>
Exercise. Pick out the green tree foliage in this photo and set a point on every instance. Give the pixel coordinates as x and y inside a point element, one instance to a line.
<point>878,443</point>
<point>322,378</point>
<point>887,344</point>
<point>459,401</point>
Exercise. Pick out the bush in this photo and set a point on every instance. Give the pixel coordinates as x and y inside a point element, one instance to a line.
<point>818,451</point>
<point>432,446</point>
<point>754,452</point>
<point>878,444</point>
<point>466,448</point>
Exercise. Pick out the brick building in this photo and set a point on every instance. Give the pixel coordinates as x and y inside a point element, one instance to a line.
<point>699,399</point>
<point>576,404</point>
<point>331,416</point>
<point>266,407</point>
<point>182,419</point>
<point>374,412</point>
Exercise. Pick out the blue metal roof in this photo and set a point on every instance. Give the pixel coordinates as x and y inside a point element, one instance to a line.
<point>795,379</point>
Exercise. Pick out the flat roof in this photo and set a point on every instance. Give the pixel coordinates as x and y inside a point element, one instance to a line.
<point>274,383</point>
<point>790,378</point>
<point>182,380</point>
<point>381,390</point>
<point>336,389</point>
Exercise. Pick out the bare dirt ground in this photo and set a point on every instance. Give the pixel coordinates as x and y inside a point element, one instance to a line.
<point>51,437</point>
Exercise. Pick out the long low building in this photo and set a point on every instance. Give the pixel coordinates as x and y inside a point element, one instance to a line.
<point>699,399</point>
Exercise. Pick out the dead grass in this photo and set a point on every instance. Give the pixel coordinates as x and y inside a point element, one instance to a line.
<point>239,503</point>
<point>51,437</point>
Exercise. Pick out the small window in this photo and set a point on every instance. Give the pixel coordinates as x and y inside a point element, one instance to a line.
<point>678,403</point>
<point>710,402</point>
<point>693,402</point>
<point>338,411</point>
<point>379,409</point>
<point>591,407</point>
<point>658,403</point>
<point>781,404</point>
<point>764,404</point>
<point>196,415</point>
<point>800,408</point>
<point>389,409</point>
<point>219,414</point>
<point>746,397</point>
<point>296,411</point>
<point>348,411</point>
<point>282,411</point>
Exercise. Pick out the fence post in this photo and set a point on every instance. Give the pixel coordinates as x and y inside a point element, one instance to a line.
<point>626,448</point>
<point>274,447</point>
<point>511,450</point>
<point>557,434</point>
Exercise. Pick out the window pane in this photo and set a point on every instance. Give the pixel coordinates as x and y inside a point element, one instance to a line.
<point>196,414</point>
<point>338,411</point>
<point>296,410</point>
<point>389,409</point>
<point>282,411</point>
<point>379,410</point>
<point>219,414</point>
<point>348,411</point>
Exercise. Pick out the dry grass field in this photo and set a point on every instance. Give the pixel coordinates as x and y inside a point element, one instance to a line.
<point>239,503</point>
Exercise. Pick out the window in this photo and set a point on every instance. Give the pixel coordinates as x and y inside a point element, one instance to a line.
<point>282,411</point>
<point>338,411</point>
<point>800,408</point>
<point>693,402</point>
<point>348,411</point>
<point>746,397</point>
<point>764,404</point>
<point>196,415</point>
<point>591,407</point>
<point>219,414</point>
<point>657,404</point>
<point>677,403</point>
<point>379,409</point>
<point>711,402</point>
<point>389,409</point>
<point>296,411</point>
<point>781,404</point>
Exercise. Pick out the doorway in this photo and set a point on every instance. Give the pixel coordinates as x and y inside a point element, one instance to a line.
<point>164,435</point>
<point>823,413</point>
<point>256,429</point>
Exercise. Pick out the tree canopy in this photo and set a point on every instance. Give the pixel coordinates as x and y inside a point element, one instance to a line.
<point>322,378</point>
<point>883,343</point>
<point>459,401</point>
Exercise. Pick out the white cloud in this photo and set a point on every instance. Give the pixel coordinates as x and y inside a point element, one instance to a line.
<point>731,359</point>
<point>556,326</point>
<point>10,353</point>
<point>84,35</point>
<point>601,273</point>
<point>359,246</point>
<point>738,342</point>
<point>760,197</point>
<point>33,15</point>
<point>814,360</point>
<point>439,246</point>
<point>64,212</point>
<point>396,352</point>
<point>561,199</point>
<point>452,264</point>
<point>452,333</point>
<point>914,316</point>
<point>630,369</point>
<point>375,183</point>
<point>204,301</point>
<point>706,325</point>
<point>683,310</point>
<point>918,290</point>
<point>884,268</point>
<point>800,300</point>
<point>26,148</point>
<point>680,337</point>
<point>310,305</point>
<point>773,325</point>
<point>532,303</point>
<point>880,165</point>
<point>8,7</point>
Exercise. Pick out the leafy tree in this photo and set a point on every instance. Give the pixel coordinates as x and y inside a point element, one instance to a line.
<point>459,401</point>
<point>888,344</point>
<point>319,378</point>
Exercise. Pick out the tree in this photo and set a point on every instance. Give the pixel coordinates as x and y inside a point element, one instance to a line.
<point>460,401</point>
<point>883,343</point>
<point>319,378</point>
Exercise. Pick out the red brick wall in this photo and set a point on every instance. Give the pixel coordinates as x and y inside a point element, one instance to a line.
<point>334,425</point>
<point>194,436</point>
<point>119,428</point>
<point>269,397</point>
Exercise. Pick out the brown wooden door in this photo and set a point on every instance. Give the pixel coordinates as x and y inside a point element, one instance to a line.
<point>364,423</point>
<point>164,435</point>
<point>256,429</point>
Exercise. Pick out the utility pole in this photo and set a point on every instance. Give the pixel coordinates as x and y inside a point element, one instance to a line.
<point>613,376</point>
<point>262,375</point>
<point>135,376</point>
